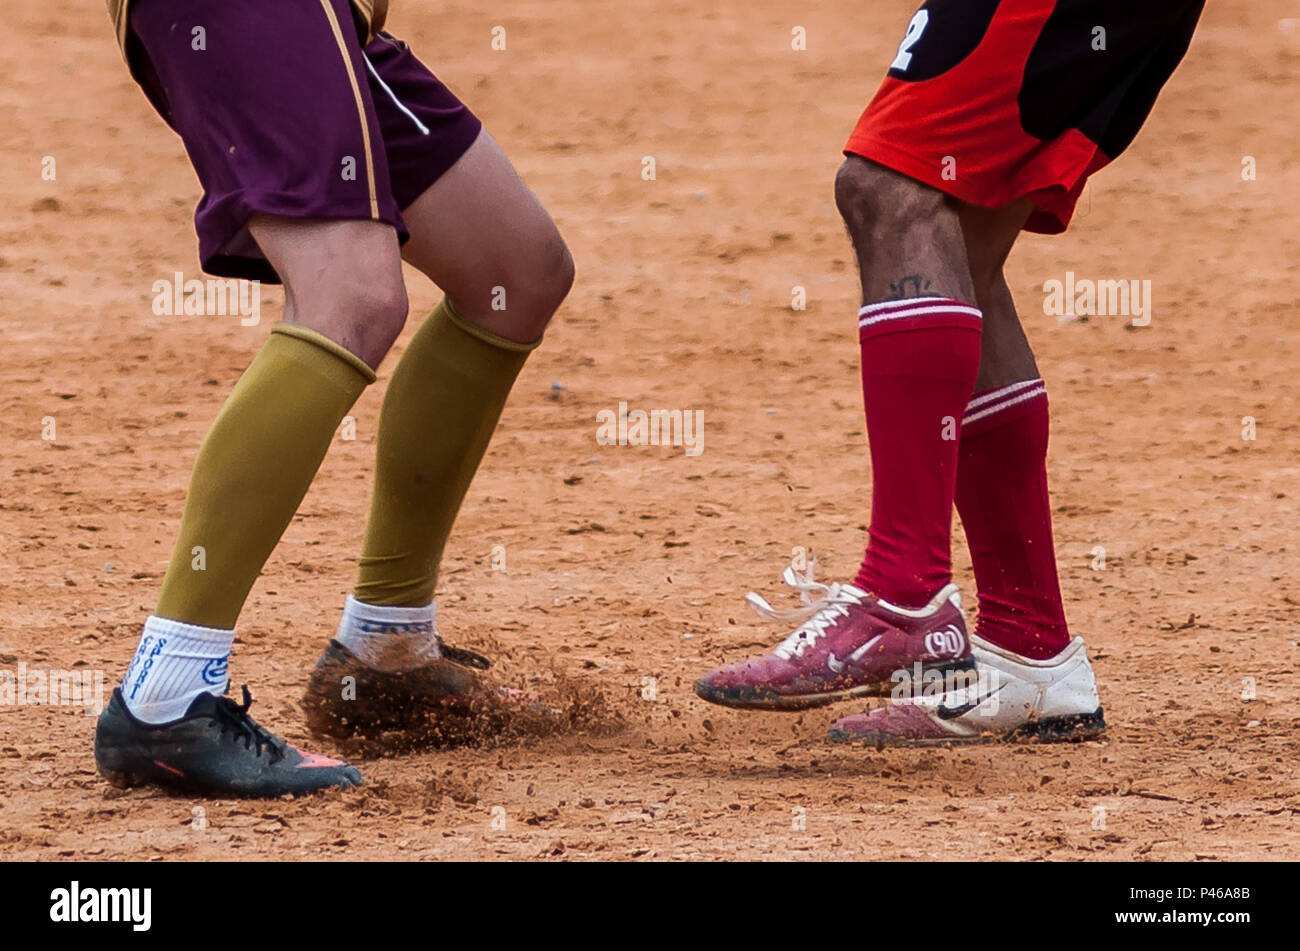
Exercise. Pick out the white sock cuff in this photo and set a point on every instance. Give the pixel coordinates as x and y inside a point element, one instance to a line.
<point>361,617</point>
<point>390,638</point>
<point>174,663</point>
<point>198,637</point>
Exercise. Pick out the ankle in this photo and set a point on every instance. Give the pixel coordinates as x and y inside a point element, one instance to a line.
<point>390,638</point>
<point>175,663</point>
<point>905,592</point>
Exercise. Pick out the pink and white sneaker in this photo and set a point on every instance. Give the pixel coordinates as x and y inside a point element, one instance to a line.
<point>849,644</point>
<point>1006,697</point>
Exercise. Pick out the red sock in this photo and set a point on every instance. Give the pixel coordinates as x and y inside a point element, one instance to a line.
<point>1002,498</point>
<point>919,361</point>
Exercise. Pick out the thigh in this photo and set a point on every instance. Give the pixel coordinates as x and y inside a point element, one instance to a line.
<point>476,230</point>
<point>482,236</point>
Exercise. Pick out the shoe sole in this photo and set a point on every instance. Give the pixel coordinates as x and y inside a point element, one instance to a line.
<point>122,774</point>
<point>117,767</point>
<point>122,779</point>
<point>1068,729</point>
<point>754,698</point>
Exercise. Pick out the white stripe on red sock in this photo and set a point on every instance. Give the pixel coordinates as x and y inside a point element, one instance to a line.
<point>872,314</point>
<point>1018,393</point>
<point>1001,391</point>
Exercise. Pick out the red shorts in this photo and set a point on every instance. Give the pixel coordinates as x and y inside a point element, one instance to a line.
<point>995,100</point>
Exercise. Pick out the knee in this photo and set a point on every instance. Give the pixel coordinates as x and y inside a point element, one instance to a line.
<point>874,200</point>
<point>543,281</point>
<point>371,315</point>
<point>555,275</point>
<point>535,284</point>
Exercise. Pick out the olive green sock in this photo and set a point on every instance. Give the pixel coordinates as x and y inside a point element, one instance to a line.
<point>439,413</point>
<point>253,470</point>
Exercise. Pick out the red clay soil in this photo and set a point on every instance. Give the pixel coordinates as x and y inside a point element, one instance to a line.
<point>624,563</point>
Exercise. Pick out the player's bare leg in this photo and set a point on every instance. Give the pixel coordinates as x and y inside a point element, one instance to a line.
<point>907,236</point>
<point>989,235</point>
<point>345,304</point>
<point>482,237</point>
<point>926,260</point>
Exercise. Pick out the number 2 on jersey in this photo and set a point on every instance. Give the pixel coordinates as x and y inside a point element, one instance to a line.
<point>910,38</point>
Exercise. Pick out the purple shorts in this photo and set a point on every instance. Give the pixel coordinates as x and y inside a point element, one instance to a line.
<point>282,112</point>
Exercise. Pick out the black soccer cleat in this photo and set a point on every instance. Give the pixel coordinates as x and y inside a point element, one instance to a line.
<point>215,749</point>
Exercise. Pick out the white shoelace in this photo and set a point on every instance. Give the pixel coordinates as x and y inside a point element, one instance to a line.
<point>817,614</point>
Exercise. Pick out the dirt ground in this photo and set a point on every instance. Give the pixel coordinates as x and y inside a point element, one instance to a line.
<point>627,563</point>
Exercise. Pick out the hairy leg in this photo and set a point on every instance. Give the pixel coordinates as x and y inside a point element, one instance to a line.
<point>908,236</point>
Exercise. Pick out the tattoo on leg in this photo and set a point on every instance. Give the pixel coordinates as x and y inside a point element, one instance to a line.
<point>911,285</point>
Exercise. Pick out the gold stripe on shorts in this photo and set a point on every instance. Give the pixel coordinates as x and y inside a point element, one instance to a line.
<point>361,105</point>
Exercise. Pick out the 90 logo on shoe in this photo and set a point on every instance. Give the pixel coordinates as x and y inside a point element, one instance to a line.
<point>946,642</point>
